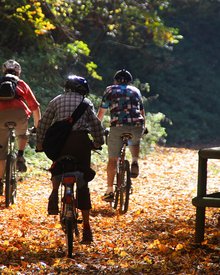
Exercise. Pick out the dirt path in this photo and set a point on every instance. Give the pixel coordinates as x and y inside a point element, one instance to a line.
<point>155,237</point>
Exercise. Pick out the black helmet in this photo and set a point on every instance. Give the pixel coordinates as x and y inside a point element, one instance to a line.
<point>77,84</point>
<point>123,76</point>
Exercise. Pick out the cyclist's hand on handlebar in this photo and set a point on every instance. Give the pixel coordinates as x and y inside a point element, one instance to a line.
<point>33,130</point>
<point>106,132</point>
<point>39,148</point>
<point>96,146</point>
<point>145,131</point>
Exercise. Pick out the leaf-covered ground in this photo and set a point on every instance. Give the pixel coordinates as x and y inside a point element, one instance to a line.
<point>156,236</point>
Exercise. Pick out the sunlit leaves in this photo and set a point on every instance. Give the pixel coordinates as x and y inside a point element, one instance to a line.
<point>91,67</point>
<point>33,14</point>
<point>78,47</point>
<point>156,236</point>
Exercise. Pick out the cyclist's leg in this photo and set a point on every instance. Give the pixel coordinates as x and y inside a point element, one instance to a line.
<point>134,146</point>
<point>84,204</point>
<point>114,145</point>
<point>22,137</point>
<point>111,171</point>
<point>53,208</point>
<point>134,149</point>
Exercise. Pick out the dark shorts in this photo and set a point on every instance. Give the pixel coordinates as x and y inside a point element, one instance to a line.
<point>78,156</point>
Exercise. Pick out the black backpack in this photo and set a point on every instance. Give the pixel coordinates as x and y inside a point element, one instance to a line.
<point>57,134</point>
<point>8,85</point>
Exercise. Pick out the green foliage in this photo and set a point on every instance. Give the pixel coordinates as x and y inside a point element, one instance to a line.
<point>187,82</point>
<point>53,38</point>
<point>39,160</point>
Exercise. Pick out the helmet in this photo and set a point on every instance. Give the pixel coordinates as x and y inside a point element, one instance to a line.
<point>11,66</point>
<point>123,76</point>
<point>77,84</point>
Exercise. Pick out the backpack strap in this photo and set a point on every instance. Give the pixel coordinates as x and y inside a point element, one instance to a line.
<point>79,111</point>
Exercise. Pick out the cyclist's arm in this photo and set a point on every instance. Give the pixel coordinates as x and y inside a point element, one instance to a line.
<point>101,113</point>
<point>36,116</point>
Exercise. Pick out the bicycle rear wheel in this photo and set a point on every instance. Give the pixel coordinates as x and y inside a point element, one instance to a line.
<point>69,236</point>
<point>114,204</point>
<point>68,219</point>
<point>124,192</point>
<point>10,181</point>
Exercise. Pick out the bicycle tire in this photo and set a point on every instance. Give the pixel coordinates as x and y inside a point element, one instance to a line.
<point>14,181</point>
<point>120,182</point>
<point>125,188</point>
<point>116,191</point>
<point>10,181</point>
<point>69,237</point>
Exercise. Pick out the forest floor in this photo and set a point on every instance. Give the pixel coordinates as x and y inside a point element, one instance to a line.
<point>155,236</point>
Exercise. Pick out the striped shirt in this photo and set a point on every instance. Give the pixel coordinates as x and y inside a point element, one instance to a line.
<point>62,107</point>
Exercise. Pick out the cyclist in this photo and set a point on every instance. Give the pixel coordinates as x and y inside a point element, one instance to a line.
<point>126,116</point>
<point>78,144</point>
<point>18,110</point>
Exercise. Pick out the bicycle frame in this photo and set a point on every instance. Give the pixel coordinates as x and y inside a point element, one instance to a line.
<point>10,170</point>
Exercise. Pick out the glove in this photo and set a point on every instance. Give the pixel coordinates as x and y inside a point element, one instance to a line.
<point>96,146</point>
<point>33,130</point>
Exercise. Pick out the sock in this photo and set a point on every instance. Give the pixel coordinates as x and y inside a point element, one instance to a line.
<point>134,159</point>
<point>109,189</point>
<point>20,153</point>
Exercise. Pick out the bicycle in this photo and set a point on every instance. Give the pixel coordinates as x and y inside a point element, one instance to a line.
<point>122,185</point>
<point>10,170</point>
<point>68,199</point>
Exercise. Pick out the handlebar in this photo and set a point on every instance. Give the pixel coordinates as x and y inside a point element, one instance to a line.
<point>145,131</point>
<point>39,151</point>
<point>32,130</point>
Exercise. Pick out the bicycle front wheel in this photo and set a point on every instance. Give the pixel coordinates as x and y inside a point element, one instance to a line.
<point>10,181</point>
<point>124,192</point>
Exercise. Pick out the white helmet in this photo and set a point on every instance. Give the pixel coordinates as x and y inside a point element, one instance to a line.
<point>11,66</point>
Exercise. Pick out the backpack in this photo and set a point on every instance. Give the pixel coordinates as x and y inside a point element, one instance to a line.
<point>8,85</point>
<point>57,134</point>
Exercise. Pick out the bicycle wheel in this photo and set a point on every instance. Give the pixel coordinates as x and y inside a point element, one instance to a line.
<point>114,204</point>
<point>10,181</point>
<point>125,188</point>
<point>14,181</point>
<point>119,187</point>
<point>69,236</point>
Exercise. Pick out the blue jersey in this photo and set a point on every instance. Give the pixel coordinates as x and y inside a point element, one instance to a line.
<point>125,105</point>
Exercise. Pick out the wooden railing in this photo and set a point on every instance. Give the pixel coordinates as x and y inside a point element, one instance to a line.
<point>203,200</point>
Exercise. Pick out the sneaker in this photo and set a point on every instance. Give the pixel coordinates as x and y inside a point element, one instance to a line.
<point>134,169</point>
<point>21,167</point>
<point>87,236</point>
<point>1,188</point>
<point>53,208</point>
<point>108,197</point>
